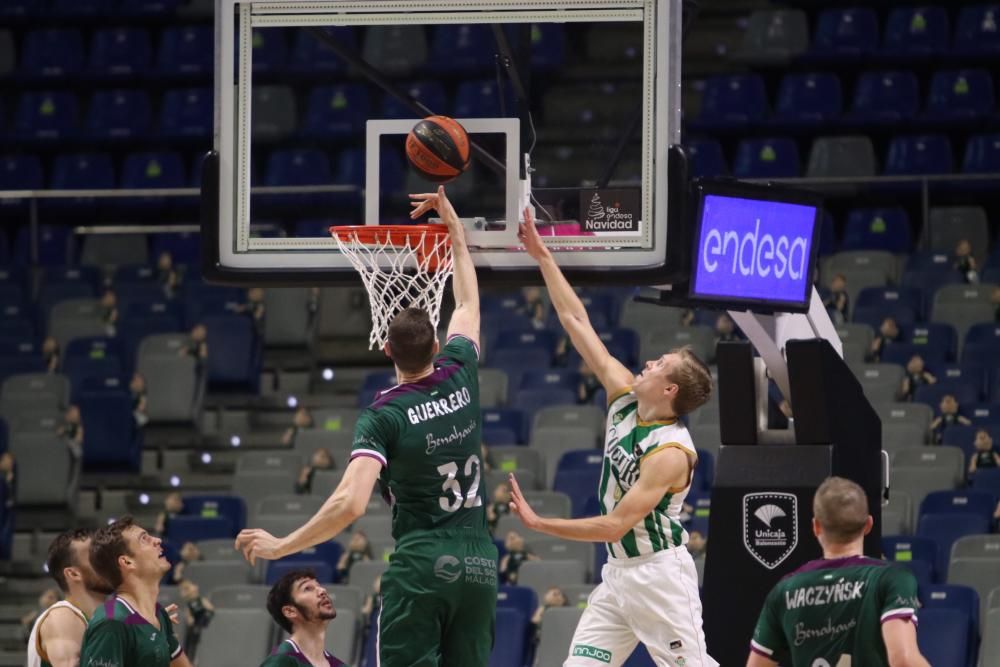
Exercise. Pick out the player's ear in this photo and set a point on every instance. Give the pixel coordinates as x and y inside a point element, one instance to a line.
<point>290,612</point>
<point>869,522</point>
<point>437,346</point>
<point>817,529</point>
<point>387,350</point>
<point>72,574</point>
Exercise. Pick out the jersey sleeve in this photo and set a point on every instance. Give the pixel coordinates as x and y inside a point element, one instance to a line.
<point>462,349</point>
<point>768,637</point>
<point>105,644</point>
<point>898,595</point>
<point>372,436</point>
<point>279,661</point>
<point>168,629</point>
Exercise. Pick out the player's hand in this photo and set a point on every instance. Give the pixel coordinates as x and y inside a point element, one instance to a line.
<point>520,507</point>
<point>437,201</point>
<point>528,235</point>
<point>171,610</point>
<point>256,543</point>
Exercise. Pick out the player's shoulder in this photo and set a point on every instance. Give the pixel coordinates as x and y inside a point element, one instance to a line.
<point>280,660</point>
<point>460,348</point>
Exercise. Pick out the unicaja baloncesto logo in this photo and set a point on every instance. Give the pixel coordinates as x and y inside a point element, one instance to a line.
<point>770,526</point>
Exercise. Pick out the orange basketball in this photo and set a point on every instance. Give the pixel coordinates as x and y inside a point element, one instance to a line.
<point>438,147</point>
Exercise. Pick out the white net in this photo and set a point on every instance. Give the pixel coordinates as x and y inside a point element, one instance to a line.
<point>400,269</point>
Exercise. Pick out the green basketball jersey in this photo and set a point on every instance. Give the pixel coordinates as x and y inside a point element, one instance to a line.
<point>288,654</point>
<point>829,613</point>
<point>118,636</point>
<point>629,440</point>
<point>426,435</point>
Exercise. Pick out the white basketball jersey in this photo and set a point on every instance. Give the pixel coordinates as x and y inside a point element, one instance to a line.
<point>34,649</point>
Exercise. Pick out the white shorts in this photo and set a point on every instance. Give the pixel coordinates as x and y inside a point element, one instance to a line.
<point>650,599</point>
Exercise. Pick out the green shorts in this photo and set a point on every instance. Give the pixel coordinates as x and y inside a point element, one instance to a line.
<point>439,600</point>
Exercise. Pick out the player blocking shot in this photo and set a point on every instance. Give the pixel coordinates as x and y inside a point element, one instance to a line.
<point>843,609</point>
<point>649,591</point>
<point>421,440</point>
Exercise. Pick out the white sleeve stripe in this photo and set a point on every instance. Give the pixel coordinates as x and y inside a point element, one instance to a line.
<point>902,611</point>
<point>763,649</point>
<point>177,652</point>
<point>368,452</point>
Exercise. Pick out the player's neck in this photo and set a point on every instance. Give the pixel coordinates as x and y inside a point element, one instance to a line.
<point>654,413</point>
<point>311,640</point>
<point>84,600</point>
<point>142,596</point>
<point>834,551</point>
<point>406,378</point>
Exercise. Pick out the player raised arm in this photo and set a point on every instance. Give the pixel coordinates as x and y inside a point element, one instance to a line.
<point>572,313</point>
<point>344,506</point>
<point>465,286</point>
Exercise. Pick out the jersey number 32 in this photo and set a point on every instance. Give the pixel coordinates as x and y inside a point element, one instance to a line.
<point>451,485</point>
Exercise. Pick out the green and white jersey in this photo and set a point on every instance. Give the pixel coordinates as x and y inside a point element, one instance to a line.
<point>829,613</point>
<point>629,440</point>
<point>426,435</point>
<point>118,636</point>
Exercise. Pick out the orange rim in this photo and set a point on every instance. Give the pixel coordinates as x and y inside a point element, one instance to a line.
<point>423,238</point>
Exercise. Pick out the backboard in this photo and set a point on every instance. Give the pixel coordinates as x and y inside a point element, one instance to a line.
<point>573,107</point>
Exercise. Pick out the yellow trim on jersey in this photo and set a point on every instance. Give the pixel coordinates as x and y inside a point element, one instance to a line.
<point>656,422</point>
<point>42,653</point>
<point>673,445</point>
<point>614,396</point>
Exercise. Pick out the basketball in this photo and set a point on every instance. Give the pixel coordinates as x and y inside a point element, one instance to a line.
<point>438,148</point>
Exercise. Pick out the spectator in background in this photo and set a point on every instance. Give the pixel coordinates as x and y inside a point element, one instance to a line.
<point>916,376</point>
<point>372,603</point>
<point>196,348</point>
<point>697,544</point>
<point>321,460</point>
<point>189,554</point>
<point>138,389</point>
<point>984,456</point>
<point>358,549</point>
<point>485,457</point>
<point>47,598</point>
<point>254,308</point>
<point>947,416</point>
<point>517,553</point>
<point>300,420</point>
<point>71,430</point>
<point>588,384</point>
<point>173,505</point>
<point>8,471</point>
<point>109,312</point>
<point>888,333</point>
<point>198,612</point>
<point>725,329</point>
<point>51,354</point>
<point>838,301</point>
<point>965,262</point>
<point>995,300</point>
<point>554,597</point>
<point>166,274</point>
<point>499,507</point>
<point>534,306</point>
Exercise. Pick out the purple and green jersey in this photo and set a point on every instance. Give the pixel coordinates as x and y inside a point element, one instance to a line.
<point>288,654</point>
<point>118,636</point>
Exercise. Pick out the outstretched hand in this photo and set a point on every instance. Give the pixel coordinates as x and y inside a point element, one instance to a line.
<point>528,235</point>
<point>256,543</point>
<point>437,201</point>
<point>520,507</point>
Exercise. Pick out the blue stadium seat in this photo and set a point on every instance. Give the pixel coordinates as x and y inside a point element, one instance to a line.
<point>186,114</point>
<point>529,339</point>
<point>309,54</point>
<point>184,528</point>
<point>905,549</point>
<point>954,597</point>
<point>16,325</point>
<point>138,320</point>
<point>920,154</point>
<point>705,158</point>
<point>877,229</point>
<point>186,51</point>
<point>118,115</point>
<point>976,31</point>
<point>983,414</point>
<point>19,172</point>
<point>55,245</point>
<point>845,33</point>
<point>20,9</point>
<point>93,348</point>
<point>52,54</point>
<point>231,508</point>
<point>519,598</point>
<point>986,352</point>
<point>982,154</point>
<point>943,636</point>
<point>149,8</point>
<point>308,166</point>
<point>732,101</point>
<point>808,100</point>
<point>120,52</point>
<point>776,157</point>
<point>944,529</point>
<point>20,363</point>
<point>931,394</point>
<point>461,48</point>
<point>75,9</point>
<point>704,473</point>
<point>976,503</point>
<point>933,335</point>
<point>987,480</point>
<point>83,171</point>
<point>578,476</point>
<point>531,401</point>
<point>512,625</point>
<point>46,116</point>
<point>328,553</point>
<point>200,300</point>
<point>153,170</point>
<point>930,281</point>
<point>510,419</point>
<point>917,32</point>
<point>270,50</point>
<point>336,111</point>
<point>480,99</point>
<point>276,570</point>
<point>234,354</point>
<point>111,439</point>
<point>885,98</point>
<point>903,303</point>
<point>960,95</point>
<point>553,378</point>
<point>429,93</point>
<point>963,437</point>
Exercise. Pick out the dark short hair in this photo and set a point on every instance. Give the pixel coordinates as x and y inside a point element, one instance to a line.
<point>281,595</point>
<point>107,547</point>
<point>411,340</point>
<point>694,381</point>
<point>62,555</point>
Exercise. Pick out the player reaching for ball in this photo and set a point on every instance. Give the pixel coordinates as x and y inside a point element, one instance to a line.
<point>421,439</point>
<point>649,591</point>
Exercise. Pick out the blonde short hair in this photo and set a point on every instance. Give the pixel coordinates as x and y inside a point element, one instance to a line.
<point>841,507</point>
<point>693,379</point>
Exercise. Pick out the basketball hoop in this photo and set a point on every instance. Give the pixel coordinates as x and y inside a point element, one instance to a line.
<point>401,266</point>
